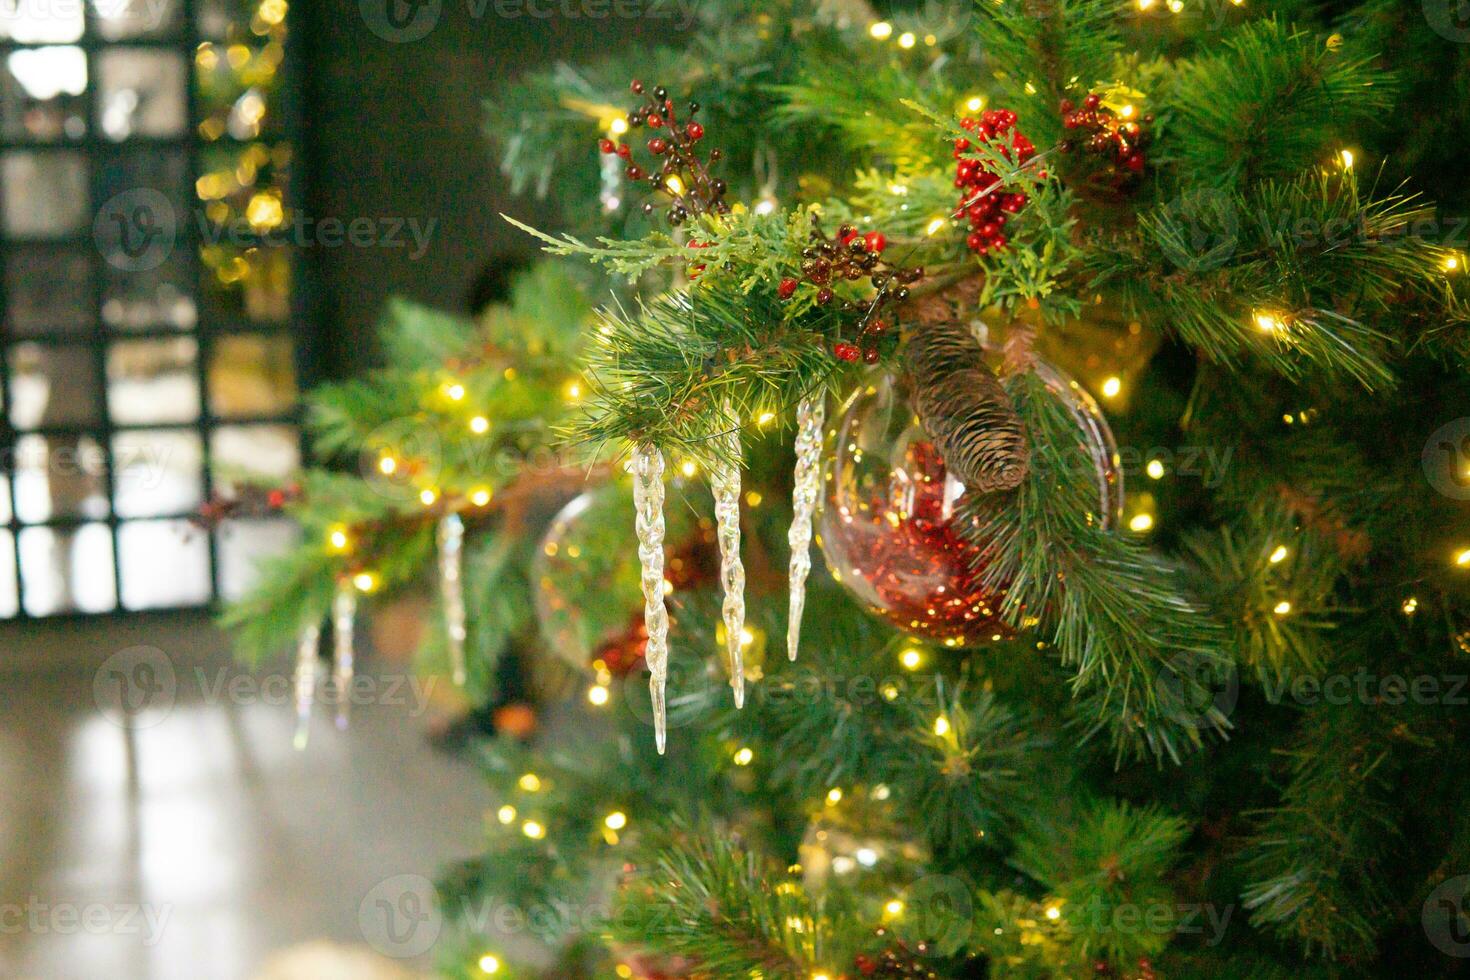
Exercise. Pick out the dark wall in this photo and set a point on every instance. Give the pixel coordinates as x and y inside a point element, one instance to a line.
<point>393,130</point>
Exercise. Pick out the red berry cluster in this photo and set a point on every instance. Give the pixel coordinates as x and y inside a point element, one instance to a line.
<point>847,258</point>
<point>672,145</point>
<point>248,500</point>
<point>984,207</point>
<point>1118,142</point>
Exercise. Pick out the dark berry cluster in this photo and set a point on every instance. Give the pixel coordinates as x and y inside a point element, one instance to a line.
<point>899,960</point>
<point>1145,969</point>
<point>249,500</point>
<point>1105,134</point>
<point>677,170</point>
<point>985,207</point>
<point>849,257</point>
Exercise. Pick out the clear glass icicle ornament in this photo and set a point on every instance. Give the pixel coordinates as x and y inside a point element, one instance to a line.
<point>811,415</point>
<point>725,481</point>
<point>344,614</point>
<point>451,590</point>
<point>647,467</point>
<point>306,657</point>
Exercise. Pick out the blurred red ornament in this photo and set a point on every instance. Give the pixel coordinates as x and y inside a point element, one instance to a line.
<point>516,719</point>
<point>890,529</point>
<point>622,653</point>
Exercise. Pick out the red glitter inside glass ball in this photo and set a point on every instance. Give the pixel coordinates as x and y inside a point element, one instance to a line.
<point>890,525</point>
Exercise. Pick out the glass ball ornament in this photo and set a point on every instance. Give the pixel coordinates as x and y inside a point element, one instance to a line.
<point>889,526</point>
<point>586,577</point>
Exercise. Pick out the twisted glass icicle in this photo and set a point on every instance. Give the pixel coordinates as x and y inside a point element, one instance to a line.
<point>647,467</point>
<point>306,656</point>
<point>725,481</point>
<point>451,590</point>
<point>811,415</point>
<point>344,612</point>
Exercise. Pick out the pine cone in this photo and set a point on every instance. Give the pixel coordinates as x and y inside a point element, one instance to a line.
<point>964,409</point>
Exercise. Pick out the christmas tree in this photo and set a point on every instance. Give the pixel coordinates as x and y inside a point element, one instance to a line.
<point>1111,360</point>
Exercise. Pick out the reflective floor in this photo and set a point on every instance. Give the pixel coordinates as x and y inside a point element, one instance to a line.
<point>185,838</point>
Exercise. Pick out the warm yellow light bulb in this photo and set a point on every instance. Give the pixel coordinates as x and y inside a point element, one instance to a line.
<point>834,796</point>
<point>573,390</point>
<point>910,658</point>
<point>1278,555</point>
<point>1282,608</point>
<point>1155,469</point>
<point>880,30</point>
<point>489,963</point>
<point>1411,604</point>
<point>1127,111</point>
<point>616,820</point>
<point>1145,4</point>
<point>975,103</point>
<point>1141,522</point>
<point>533,830</point>
<point>1268,322</point>
<point>675,185</point>
<point>427,496</point>
<point>387,465</point>
<point>1347,159</point>
<point>893,908</point>
<point>365,581</point>
<point>1462,558</point>
<point>1053,913</point>
<point>688,467</point>
<point>743,757</point>
<point>1111,387</point>
<point>907,40</point>
<point>530,782</point>
<point>618,125</point>
<point>480,496</point>
<point>597,694</point>
<point>506,814</point>
<point>338,539</point>
<point>934,226</point>
<point>1175,6</point>
<point>765,418</point>
<point>479,425</point>
<point>941,726</point>
<point>454,392</point>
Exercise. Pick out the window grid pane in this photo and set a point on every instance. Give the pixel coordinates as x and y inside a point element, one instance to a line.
<point>147,357</point>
